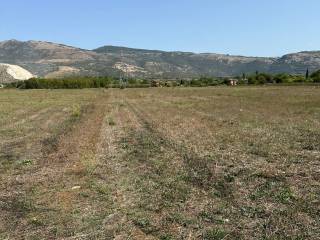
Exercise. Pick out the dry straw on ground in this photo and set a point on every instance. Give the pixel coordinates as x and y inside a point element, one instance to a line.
<point>182,163</point>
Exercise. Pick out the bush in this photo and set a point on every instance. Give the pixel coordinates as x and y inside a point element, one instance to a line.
<point>316,76</point>
<point>260,78</point>
<point>202,82</point>
<point>252,80</point>
<point>299,79</point>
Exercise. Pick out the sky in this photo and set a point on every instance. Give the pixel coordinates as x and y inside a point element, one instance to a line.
<point>238,27</point>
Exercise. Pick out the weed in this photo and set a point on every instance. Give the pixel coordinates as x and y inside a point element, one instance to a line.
<point>111,122</point>
<point>145,225</point>
<point>214,234</point>
<point>76,111</point>
<point>36,222</point>
<point>199,172</point>
<point>166,237</point>
<point>285,195</point>
<point>26,162</point>
<point>18,205</point>
<point>180,219</point>
<point>175,192</point>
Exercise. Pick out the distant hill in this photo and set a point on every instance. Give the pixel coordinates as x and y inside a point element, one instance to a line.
<point>56,60</point>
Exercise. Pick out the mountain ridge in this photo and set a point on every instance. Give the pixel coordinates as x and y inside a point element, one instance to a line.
<point>48,59</point>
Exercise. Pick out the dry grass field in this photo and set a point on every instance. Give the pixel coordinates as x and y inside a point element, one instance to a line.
<point>161,163</point>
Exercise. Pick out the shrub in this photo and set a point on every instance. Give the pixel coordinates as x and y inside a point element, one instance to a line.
<point>252,80</point>
<point>260,78</point>
<point>282,78</point>
<point>316,76</point>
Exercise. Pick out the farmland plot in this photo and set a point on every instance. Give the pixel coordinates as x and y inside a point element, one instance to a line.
<point>176,163</point>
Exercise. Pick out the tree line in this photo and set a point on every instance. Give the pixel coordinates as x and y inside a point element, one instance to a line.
<point>77,83</point>
<point>110,82</point>
<point>263,78</point>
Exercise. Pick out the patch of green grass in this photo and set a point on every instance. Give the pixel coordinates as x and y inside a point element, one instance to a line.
<point>36,221</point>
<point>263,190</point>
<point>176,217</point>
<point>214,234</point>
<point>309,139</point>
<point>145,224</point>
<point>211,217</point>
<point>76,111</point>
<point>252,212</point>
<point>198,169</point>
<point>166,237</point>
<point>101,189</point>
<point>18,205</point>
<point>175,191</point>
<point>223,188</point>
<point>284,195</point>
<point>274,190</point>
<point>26,162</point>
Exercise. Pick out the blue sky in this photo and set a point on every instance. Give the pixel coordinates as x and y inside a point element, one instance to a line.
<point>243,27</point>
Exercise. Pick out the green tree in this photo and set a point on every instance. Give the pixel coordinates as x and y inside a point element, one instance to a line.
<point>316,76</point>
<point>282,78</point>
<point>252,80</point>
<point>261,79</point>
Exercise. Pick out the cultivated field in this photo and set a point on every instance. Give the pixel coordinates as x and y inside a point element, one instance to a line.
<point>161,163</point>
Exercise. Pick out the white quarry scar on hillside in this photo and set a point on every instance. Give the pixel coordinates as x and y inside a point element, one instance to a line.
<point>9,73</point>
